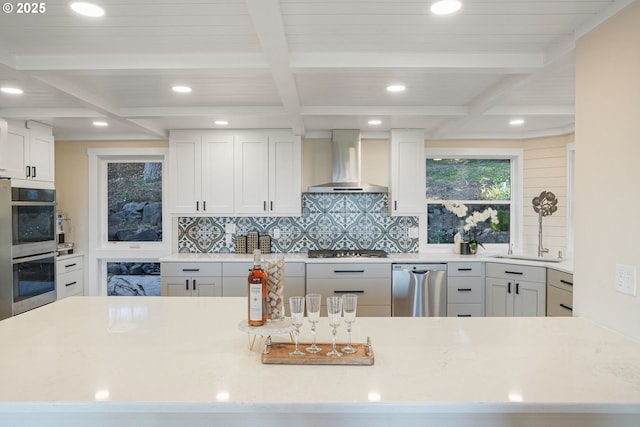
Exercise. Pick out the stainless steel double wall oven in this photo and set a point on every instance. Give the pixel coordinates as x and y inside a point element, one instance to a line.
<point>27,248</point>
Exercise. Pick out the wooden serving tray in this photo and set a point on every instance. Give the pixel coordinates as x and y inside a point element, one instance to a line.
<point>278,353</point>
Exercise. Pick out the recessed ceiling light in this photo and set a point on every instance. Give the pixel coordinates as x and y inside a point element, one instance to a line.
<point>396,88</point>
<point>375,122</point>
<point>221,122</point>
<point>445,7</point>
<point>181,89</point>
<point>87,9</point>
<point>100,123</point>
<point>11,90</point>
<point>516,122</point>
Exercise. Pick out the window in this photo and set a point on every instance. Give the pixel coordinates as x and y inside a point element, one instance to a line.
<point>478,180</point>
<point>133,278</point>
<point>134,201</point>
<point>126,220</point>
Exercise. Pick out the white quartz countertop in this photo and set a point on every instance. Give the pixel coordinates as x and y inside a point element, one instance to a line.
<point>565,265</point>
<point>161,361</point>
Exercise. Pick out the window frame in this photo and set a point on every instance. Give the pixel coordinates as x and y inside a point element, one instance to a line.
<point>101,250</point>
<point>516,156</point>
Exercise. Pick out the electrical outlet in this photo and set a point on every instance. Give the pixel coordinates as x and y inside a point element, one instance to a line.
<point>230,228</point>
<point>414,232</point>
<point>626,279</point>
<point>276,233</point>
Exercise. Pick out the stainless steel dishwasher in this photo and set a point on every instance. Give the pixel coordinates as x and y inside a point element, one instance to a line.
<point>419,290</point>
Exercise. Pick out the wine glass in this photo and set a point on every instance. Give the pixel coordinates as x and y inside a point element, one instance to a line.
<point>334,311</point>
<point>296,307</point>
<point>314,301</point>
<point>349,306</point>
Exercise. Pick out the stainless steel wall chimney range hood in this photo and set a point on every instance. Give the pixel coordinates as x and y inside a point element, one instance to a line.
<point>346,166</point>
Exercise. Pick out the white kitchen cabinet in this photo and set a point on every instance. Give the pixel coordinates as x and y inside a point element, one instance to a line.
<point>515,290</point>
<point>69,275</point>
<point>201,172</point>
<point>268,173</point>
<point>234,279</point>
<point>235,173</point>
<point>370,282</point>
<point>407,176</point>
<point>195,279</point>
<point>465,290</point>
<point>30,152</point>
<point>559,293</point>
<point>4,147</point>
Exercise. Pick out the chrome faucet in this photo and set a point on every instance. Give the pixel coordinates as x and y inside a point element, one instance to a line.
<point>544,205</point>
<point>541,250</point>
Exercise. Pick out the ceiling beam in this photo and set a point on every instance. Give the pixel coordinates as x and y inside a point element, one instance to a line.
<point>356,110</point>
<point>267,21</point>
<point>490,61</point>
<point>132,112</point>
<point>101,105</point>
<point>139,62</point>
<point>46,113</point>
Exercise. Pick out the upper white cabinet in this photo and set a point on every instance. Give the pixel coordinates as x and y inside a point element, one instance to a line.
<point>268,173</point>
<point>4,147</point>
<point>30,157</point>
<point>235,173</point>
<point>201,172</point>
<point>407,172</point>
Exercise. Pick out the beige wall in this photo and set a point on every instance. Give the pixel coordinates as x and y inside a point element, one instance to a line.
<point>544,169</point>
<point>317,169</point>
<point>72,182</point>
<point>607,170</point>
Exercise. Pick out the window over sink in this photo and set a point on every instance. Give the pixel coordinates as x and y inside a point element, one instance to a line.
<point>479,179</point>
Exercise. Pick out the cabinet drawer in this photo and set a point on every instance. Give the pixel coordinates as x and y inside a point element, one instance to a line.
<point>464,310</point>
<point>464,290</point>
<point>516,271</point>
<point>370,291</point>
<point>236,269</point>
<point>69,264</point>
<point>294,269</point>
<point>373,311</point>
<point>241,269</point>
<point>348,270</point>
<point>560,279</point>
<point>461,269</point>
<point>559,302</point>
<point>69,284</point>
<point>191,269</point>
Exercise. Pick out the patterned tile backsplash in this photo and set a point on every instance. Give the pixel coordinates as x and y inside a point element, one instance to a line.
<point>328,221</point>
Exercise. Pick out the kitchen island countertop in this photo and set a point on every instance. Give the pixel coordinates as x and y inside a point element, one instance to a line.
<point>151,361</point>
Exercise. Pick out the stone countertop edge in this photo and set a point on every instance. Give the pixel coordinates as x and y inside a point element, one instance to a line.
<point>565,266</point>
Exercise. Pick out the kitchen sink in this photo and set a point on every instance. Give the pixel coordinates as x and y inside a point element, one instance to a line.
<point>530,258</point>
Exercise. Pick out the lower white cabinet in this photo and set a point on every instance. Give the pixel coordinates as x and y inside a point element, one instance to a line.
<point>191,279</point>
<point>515,290</point>
<point>234,279</point>
<point>559,293</point>
<point>69,275</point>
<point>371,282</point>
<point>465,290</point>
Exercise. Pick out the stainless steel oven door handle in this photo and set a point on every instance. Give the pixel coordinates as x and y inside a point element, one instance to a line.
<point>34,258</point>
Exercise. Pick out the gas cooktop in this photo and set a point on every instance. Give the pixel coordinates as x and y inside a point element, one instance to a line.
<point>347,253</point>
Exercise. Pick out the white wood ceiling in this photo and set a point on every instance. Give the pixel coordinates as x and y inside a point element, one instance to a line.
<point>309,65</point>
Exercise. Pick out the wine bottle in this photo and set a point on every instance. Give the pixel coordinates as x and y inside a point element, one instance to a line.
<point>257,292</point>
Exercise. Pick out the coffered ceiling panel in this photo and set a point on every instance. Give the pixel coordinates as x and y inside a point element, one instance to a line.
<point>307,65</point>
